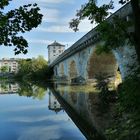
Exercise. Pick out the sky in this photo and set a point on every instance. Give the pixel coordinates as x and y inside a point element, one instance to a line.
<point>54,27</point>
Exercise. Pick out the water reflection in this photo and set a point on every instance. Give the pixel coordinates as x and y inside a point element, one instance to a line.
<point>43,117</point>
<point>23,89</point>
<point>54,105</point>
<point>24,118</point>
<point>31,90</point>
<point>6,88</point>
<point>94,116</point>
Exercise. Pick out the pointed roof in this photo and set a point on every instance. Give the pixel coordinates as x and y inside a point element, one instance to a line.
<point>55,44</point>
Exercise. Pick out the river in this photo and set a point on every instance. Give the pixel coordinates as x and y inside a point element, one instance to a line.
<point>59,112</point>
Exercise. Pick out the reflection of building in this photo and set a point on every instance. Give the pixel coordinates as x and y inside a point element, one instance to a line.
<point>8,88</point>
<point>10,64</point>
<point>54,50</point>
<point>53,103</point>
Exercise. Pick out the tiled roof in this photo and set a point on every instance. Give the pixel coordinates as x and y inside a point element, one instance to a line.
<point>55,44</point>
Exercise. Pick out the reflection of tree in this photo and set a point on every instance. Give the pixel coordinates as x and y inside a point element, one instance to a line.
<point>30,90</point>
<point>4,69</point>
<point>4,86</point>
<point>8,87</point>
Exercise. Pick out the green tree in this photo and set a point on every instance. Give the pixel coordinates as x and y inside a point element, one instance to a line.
<point>16,21</point>
<point>38,63</point>
<point>31,90</point>
<point>4,69</point>
<point>33,69</point>
<point>24,67</point>
<point>118,32</point>
<point>127,115</point>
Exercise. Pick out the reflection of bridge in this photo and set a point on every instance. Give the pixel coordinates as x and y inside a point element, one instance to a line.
<point>80,62</point>
<point>54,105</point>
<point>85,127</point>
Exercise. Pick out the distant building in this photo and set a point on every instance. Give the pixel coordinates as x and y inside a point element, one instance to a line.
<point>53,103</point>
<point>54,50</point>
<point>8,88</point>
<point>11,64</point>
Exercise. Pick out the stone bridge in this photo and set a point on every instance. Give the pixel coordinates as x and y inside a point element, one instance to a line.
<point>81,63</point>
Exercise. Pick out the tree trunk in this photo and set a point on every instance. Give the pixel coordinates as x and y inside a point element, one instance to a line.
<point>136,14</point>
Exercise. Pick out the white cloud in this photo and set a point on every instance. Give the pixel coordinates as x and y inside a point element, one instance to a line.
<point>84,26</point>
<point>41,133</point>
<point>45,42</point>
<point>40,2</point>
<point>39,41</point>
<point>27,119</point>
<point>55,29</point>
<point>53,1</point>
<point>24,108</point>
<point>50,15</point>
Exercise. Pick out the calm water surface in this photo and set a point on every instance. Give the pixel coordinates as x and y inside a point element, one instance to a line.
<point>28,112</point>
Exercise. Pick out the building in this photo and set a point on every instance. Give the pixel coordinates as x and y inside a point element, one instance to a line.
<point>6,88</point>
<point>54,50</point>
<point>11,65</point>
<point>53,103</point>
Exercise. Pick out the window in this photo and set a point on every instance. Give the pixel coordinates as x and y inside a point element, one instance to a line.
<point>54,51</point>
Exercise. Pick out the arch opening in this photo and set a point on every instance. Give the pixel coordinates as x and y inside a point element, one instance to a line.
<point>104,66</point>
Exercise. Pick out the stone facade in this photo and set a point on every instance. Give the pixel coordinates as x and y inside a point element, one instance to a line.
<point>54,50</point>
<point>87,64</point>
<point>11,64</point>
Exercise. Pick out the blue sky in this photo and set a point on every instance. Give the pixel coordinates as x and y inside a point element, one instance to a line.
<point>55,26</point>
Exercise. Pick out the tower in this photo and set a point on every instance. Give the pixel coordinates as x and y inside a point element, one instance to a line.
<point>54,50</point>
<point>53,103</point>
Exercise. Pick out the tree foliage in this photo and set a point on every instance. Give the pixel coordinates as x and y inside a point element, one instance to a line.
<point>115,32</point>
<point>16,21</point>
<point>91,11</point>
<point>4,69</point>
<point>126,124</point>
<point>31,90</point>
<point>33,69</point>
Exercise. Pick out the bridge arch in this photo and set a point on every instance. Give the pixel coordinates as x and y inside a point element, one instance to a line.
<point>104,65</point>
